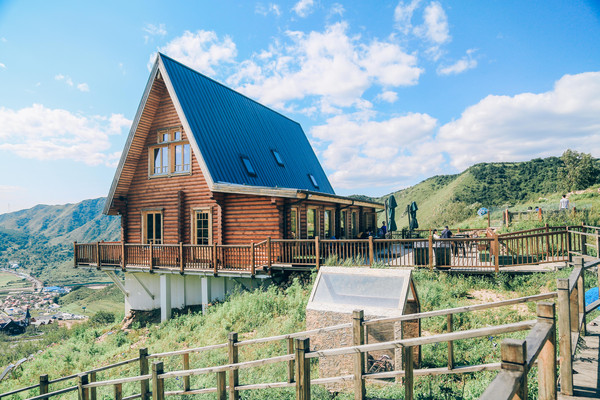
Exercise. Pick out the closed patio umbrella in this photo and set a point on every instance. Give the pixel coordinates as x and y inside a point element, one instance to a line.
<point>412,216</point>
<point>391,213</point>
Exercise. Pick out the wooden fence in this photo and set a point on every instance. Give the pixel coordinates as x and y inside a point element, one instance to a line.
<point>517,357</point>
<point>534,246</point>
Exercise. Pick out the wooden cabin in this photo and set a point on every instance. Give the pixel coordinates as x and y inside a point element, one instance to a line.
<point>206,165</point>
<point>207,173</point>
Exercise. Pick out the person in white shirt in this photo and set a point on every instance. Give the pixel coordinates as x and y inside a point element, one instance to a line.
<point>564,203</point>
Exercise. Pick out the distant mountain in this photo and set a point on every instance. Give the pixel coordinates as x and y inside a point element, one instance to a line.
<point>41,238</point>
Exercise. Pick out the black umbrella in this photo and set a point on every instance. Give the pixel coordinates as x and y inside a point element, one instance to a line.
<point>391,213</point>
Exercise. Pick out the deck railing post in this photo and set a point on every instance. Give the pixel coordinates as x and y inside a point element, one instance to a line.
<point>371,255</point>
<point>214,259</point>
<point>123,256</point>
<point>44,384</point>
<point>497,251</point>
<point>269,260</point>
<point>290,365</point>
<point>450,342</point>
<point>317,253</point>
<point>75,253</point>
<point>93,391</point>
<point>144,384</point>
<point>579,263</point>
<point>181,264</point>
<point>221,385</point>
<point>158,385</point>
<point>568,244</point>
<point>98,262</point>
<point>151,252</point>
<point>564,337</point>
<point>301,347</point>
<point>358,339</point>
<point>408,373</point>
<point>513,353</point>
<point>83,393</point>
<point>186,366</point>
<point>252,260</point>
<point>232,351</point>
<point>547,358</point>
<point>430,252</point>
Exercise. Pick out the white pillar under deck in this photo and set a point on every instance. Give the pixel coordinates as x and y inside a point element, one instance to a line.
<point>206,298</point>
<point>165,297</point>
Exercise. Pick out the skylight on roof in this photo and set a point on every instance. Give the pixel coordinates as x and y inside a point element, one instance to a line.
<point>313,180</point>
<point>249,168</point>
<point>277,156</point>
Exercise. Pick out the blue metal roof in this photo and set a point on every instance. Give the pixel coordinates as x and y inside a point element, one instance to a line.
<point>229,126</point>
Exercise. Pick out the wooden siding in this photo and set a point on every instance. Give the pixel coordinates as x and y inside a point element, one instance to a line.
<point>251,218</point>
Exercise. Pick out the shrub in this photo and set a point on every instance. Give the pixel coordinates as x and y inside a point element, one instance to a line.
<point>103,318</point>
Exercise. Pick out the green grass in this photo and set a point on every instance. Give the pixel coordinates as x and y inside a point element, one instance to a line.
<point>10,281</point>
<point>274,311</point>
<point>109,298</point>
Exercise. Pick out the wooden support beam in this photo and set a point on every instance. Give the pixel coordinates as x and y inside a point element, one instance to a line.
<point>83,393</point>
<point>449,318</point>
<point>564,337</point>
<point>513,354</point>
<point>547,357</point>
<point>358,339</point>
<point>144,384</point>
<point>302,346</point>
<point>221,385</point>
<point>44,384</point>
<point>186,366</point>
<point>409,379</point>
<point>290,364</point>
<point>317,253</point>
<point>93,391</point>
<point>158,385</point>
<point>118,391</point>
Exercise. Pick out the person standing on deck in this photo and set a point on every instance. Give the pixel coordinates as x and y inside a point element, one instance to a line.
<point>564,203</point>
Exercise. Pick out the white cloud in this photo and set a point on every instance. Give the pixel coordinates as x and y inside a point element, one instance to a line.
<point>388,96</point>
<point>272,8</point>
<point>42,133</point>
<point>336,9</point>
<point>527,125</point>
<point>332,66</point>
<point>403,14</point>
<point>153,30</point>
<point>303,8</point>
<point>2,65</point>
<point>201,50</point>
<point>434,29</point>
<point>83,87</point>
<point>362,152</point>
<point>465,63</point>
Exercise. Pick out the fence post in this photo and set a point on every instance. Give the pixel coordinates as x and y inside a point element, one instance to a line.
<point>144,371</point>
<point>450,342</point>
<point>186,366</point>
<point>497,251</point>
<point>514,357</point>
<point>358,339</point>
<point>233,359</point>
<point>301,347</point>
<point>181,258</point>
<point>317,253</point>
<point>75,252</point>
<point>252,260</point>
<point>98,263</point>
<point>371,255</point>
<point>93,391</point>
<point>221,385</point>
<point>547,358</point>
<point>568,244</point>
<point>290,365</point>
<point>119,391</point>
<point>44,384</point>
<point>408,373</point>
<point>83,393</point>
<point>158,385</point>
<point>564,337</point>
<point>598,245</point>
<point>580,262</point>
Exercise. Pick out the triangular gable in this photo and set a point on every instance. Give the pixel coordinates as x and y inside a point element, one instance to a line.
<point>222,126</point>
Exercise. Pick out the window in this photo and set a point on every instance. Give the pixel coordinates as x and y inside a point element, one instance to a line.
<point>343,224</point>
<point>278,158</point>
<point>313,180</point>
<point>328,223</point>
<point>354,224</point>
<point>202,226</point>
<point>249,167</point>
<point>370,225</point>
<point>311,223</point>
<point>171,155</point>
<point>294,223</point>
<point>152,229</point>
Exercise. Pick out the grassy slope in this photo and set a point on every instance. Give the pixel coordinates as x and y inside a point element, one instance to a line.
<point>273,311</point>
<point>109,298</point>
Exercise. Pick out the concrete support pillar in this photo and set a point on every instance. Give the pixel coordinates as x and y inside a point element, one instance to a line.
<point>206,295</point>
<point>165,297</point>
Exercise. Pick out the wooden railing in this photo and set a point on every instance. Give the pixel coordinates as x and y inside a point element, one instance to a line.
<point>296,358</point>
<point>534,246</point>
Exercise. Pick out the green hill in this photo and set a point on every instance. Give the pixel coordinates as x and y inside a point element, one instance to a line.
<point>40,239</point>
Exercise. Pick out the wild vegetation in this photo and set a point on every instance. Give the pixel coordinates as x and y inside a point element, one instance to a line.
<point>277,310</point>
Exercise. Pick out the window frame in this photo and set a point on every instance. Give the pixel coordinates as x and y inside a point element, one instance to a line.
<point>331,212</point>
<point>313,180</point>
<point>144,224</point>
<point>295,228</point>
<point>315,211</point>
<point>278,159</point>
<point>170,147</point>
<point>248,166</point>
<point>194,227</point>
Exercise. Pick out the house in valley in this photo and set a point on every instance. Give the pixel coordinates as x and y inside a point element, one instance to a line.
<point>213,188</point>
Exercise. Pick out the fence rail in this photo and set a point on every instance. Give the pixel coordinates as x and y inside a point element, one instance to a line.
<point>491,253</point>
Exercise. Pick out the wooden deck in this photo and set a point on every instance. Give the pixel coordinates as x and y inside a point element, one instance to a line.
<point>586,376</point>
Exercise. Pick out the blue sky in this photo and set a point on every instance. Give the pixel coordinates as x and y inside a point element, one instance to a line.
<point>389,92</point>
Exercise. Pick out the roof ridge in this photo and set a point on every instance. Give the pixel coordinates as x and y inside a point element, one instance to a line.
<point>228,88</point>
